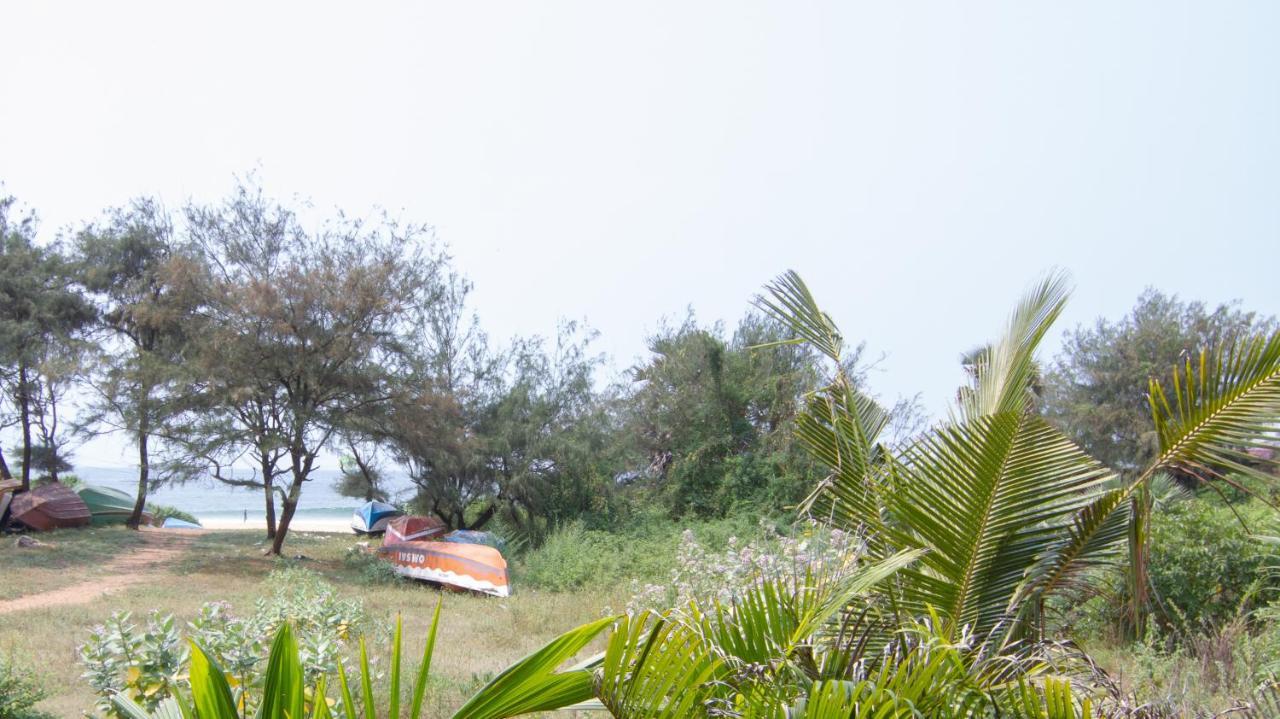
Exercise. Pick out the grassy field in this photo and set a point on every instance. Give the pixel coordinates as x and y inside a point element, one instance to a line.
<point>478,636</point>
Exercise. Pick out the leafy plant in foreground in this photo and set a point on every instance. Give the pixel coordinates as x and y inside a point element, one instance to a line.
<point>286,692</point>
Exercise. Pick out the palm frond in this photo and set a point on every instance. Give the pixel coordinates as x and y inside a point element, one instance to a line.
<point>1222,402</point>
<point>1003,372</point>
<point>533,684</point>
<point>987,499</point>
<point>790,302</point>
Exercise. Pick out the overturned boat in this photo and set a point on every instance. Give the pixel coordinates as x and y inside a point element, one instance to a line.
<point>51,506</point>
<point>372,517</point>
<point>410,528</point>
<point>453,563</point>
<point>108,505</point>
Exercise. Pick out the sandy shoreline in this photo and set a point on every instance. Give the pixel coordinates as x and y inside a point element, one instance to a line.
<point>299,524</point>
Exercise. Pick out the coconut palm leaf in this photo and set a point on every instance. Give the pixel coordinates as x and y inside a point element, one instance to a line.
<point>533,684</point>
<point>1222,403</point>
<point>790,302</point>
<point>987,499</point>
<point>657,668</point>
<point>1004,372</point>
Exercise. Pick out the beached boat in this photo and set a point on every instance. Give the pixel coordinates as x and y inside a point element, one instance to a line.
<point>409,528</point>
<point>372,517</point>
<point>51,506</point>
<point>476,567</point>
<point>107,504</point>
<point>7,488</point>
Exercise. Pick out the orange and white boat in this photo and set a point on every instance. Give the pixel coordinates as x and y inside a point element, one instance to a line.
<point>476,567</point>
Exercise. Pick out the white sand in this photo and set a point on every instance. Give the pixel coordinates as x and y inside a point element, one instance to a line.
<point>299,524</point>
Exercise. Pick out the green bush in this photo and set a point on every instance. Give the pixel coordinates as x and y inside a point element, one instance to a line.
<point>645,549</point>
<point>1206,568</point>
<point>370,567</point>
<point>143,661</point>
<point>162,512</point>
<point>19,691</point>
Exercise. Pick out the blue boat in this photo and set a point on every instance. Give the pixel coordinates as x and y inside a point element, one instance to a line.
<point>372,517</point>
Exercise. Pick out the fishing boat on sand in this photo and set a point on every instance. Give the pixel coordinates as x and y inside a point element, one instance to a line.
<point>372,517</point>
<point>108,505</point>
<point>51,506</point>
<point>409,528</point>
<point>475,567</point>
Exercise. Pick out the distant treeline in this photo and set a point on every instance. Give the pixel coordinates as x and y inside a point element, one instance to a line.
<point>234,333</point>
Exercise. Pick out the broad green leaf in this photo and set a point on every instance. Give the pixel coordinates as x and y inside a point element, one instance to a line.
<point>210,693</point>
<point>283,692</point>
<point>533,685</point>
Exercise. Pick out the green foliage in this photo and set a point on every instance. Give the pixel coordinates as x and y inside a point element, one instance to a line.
<point>711,417</point>
<point>1097,387</point>
<point>20,691</point>
<point>144,663</point>
<point>287,692</point>
<point>370,567</point>
<point>1206,566</point>
<point>162,512</point>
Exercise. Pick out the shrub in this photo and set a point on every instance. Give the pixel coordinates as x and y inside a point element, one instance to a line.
<point>700,572</point>
<point>19,691</point>
<point>144,663</point>
<point>162,512</point>
<point>1206,568</point>
<point>370,567</point>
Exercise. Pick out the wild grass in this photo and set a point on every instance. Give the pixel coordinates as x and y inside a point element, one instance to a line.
<point>479,636</point>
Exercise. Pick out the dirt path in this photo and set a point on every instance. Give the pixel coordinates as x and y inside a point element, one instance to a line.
<point>135,567</point>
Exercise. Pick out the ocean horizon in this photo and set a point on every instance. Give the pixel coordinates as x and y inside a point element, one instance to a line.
<point>209,499</point>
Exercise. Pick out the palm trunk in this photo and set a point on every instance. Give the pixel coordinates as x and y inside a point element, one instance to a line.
<point>1137,580</point>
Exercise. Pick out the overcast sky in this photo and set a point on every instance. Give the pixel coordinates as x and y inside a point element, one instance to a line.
<point>919,163</point>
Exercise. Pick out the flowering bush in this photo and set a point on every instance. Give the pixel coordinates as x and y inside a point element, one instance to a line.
<point>145,661</point>
<point>704,575</point>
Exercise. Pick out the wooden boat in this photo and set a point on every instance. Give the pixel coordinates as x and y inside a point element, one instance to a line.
<point>7,488</point>
<point>475,567</point>
<point>372,517</point>
<point>107,504</point>
<point>51,506</point>
<point>409,528</point>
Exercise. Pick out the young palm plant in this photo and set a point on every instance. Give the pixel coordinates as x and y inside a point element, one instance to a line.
<point>970,528</point>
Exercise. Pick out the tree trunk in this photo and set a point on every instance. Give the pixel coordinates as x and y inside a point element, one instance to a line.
<point>1139,528</point>
<point>24,408</point>
<point>286,516</point>
<point>144,464</point>
<point>268,482</point>
<point>4,467</point>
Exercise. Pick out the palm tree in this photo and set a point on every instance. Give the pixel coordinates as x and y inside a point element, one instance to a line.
<point>970,528</point>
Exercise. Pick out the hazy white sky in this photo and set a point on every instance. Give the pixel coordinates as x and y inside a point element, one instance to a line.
<point>919,163</point>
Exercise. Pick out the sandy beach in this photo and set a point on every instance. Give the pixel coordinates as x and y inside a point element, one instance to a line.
<point>299,524</point>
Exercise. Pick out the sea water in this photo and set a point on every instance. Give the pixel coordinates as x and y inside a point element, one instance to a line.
<point>216,502</point>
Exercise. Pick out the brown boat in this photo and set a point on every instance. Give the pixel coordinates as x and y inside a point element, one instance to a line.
<point>52,506</point>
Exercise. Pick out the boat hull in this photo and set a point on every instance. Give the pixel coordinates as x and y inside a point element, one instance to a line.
<point>51,506</point>
<point>372,518</point>
<point>473,567</point>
